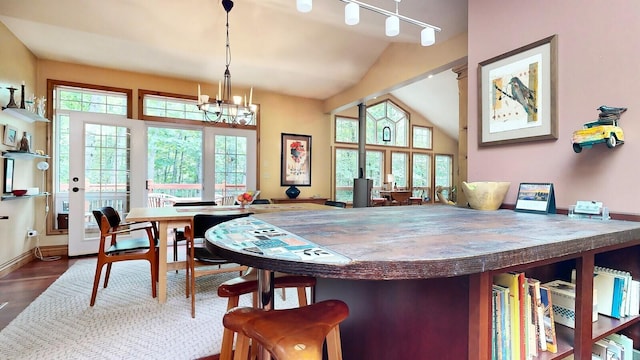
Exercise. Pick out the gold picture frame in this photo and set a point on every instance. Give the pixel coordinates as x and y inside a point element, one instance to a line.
<point>517,95</point>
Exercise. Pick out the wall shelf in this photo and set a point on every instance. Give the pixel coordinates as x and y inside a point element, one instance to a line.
<point>13,197</point>
<point>23,155</point>
<point>25,115</point>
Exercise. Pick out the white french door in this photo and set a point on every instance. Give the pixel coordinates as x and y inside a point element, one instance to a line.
<point>102,150</point>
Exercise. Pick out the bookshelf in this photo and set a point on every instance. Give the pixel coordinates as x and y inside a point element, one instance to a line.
<point>578,342</point>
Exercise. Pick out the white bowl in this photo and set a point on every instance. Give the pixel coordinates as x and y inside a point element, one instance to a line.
<point>485,195</point>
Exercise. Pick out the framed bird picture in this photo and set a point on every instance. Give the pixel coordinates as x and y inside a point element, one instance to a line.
<point>517,95</point>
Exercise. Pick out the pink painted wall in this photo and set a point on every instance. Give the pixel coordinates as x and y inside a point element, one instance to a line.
<point>598,64</point>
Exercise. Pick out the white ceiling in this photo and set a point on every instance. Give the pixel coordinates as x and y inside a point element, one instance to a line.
<point>273,46</point>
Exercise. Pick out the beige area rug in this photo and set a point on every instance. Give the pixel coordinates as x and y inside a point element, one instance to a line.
<point>126,322</point>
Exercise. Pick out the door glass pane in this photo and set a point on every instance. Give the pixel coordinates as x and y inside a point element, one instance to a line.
<point>106,170</point>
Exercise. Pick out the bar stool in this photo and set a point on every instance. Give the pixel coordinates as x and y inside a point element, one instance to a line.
<point>248,283</point>
<point>289,334</point>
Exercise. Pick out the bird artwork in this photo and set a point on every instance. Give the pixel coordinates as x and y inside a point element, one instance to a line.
<point>522,94</point>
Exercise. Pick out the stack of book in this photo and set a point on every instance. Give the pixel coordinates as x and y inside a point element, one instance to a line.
<point>522,317</point>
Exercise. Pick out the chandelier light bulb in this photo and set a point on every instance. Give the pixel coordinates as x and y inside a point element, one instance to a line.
<point>352,14</point>
<point>304,6</point>
<point>427,36</point>
<point>392,26</point>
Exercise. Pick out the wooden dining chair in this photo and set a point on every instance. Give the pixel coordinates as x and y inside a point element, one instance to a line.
<point>340,204</point>
<point>113,249</point>
<point>200,261</point>
<point>178,233</point>
<point>261,201</point>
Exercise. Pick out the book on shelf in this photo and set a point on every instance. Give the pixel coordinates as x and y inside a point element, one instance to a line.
<point>599,350</point>
<point>624,342</point>
<point>514,282</point>
<point>500,346</point>
<point>537,313</point>
<point>530,329</point>
<point>549,324</point>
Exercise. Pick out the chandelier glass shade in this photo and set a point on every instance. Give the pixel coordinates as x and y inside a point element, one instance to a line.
<point>392,22</point>
<point>225,108</point>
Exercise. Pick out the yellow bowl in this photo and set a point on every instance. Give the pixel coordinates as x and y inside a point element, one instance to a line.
<point>485,195</point>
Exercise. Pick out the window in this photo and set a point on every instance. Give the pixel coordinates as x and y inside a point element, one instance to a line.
<point>400,168</point>
<point>347,130</point>
<point>89,100</point>
<point>386,114</point>
<point>346,171</point>
<point>171,107</point>
<point>422,137</point>
<point>412,168</point>
<point>421,173</point>
<point>231,165</point>
<point>375,167</point>
<point>444,173</point>
<point>174,108</point>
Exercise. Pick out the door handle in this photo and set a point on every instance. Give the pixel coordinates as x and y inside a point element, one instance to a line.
<point>76,189</point>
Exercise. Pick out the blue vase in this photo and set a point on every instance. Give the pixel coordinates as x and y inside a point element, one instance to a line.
<point>292,192</point>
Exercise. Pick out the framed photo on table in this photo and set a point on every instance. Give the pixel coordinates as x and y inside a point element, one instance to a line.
<point>295,164</point>
<point>517,95</point>
<point>536,198</point>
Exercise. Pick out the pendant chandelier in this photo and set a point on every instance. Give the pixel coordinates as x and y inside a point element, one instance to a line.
<point>225,108</point>
<point>392,23</point>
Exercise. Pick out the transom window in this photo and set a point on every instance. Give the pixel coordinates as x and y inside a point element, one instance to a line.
<point>169,107</point>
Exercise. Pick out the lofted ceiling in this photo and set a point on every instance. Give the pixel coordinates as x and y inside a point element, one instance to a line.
<point>273,46</point>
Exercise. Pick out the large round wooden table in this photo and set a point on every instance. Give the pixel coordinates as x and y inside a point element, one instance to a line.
<point>417,279</point>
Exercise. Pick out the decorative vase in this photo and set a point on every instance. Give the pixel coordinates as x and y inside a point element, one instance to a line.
<point>292,192</point>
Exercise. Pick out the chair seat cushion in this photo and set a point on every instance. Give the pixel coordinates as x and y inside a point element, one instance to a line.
<point>128,245</point>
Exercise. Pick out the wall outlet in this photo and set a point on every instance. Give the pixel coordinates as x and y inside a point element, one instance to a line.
<point>32,233</point>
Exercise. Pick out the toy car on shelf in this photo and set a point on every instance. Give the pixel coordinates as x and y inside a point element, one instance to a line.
<point>602,131</point>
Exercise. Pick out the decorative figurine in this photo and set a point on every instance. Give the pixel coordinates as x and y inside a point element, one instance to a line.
<point>24,143</point>
<point>12,102</point>
<point>604,130</point>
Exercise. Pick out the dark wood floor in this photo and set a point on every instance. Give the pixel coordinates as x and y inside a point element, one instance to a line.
<point>20,287</point>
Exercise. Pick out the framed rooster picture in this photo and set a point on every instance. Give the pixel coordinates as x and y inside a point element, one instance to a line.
<point>517,95</point>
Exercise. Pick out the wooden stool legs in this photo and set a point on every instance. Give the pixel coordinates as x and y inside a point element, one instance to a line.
<point>247,284</point>
<point>290,334</point>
